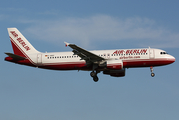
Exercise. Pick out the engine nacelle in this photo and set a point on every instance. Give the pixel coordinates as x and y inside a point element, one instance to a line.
<point>114,64</point>
<point>115,73</point>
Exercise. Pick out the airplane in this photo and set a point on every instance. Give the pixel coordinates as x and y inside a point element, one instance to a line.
<point>110,62</point>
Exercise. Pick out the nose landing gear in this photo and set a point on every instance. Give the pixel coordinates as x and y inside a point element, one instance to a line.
<point>151,69</point>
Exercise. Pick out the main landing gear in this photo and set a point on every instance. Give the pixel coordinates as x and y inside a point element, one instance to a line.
<point>151,69</point>
<point>94,76</point>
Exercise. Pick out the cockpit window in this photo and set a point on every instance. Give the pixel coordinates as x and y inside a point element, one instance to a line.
<point>162,53</point>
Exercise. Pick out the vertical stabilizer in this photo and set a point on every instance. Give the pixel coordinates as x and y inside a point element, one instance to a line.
<point>20,44</point>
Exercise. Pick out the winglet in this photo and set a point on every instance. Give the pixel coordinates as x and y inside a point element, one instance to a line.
<point>66,44</point>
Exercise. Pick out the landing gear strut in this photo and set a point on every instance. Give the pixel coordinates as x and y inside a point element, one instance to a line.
<point>94,76</point>
<point>151,69</point>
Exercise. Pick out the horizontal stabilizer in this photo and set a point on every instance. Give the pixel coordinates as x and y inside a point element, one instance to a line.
<point>15,57</point>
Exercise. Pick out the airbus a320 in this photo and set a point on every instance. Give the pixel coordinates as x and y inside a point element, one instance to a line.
<point>110,62</point>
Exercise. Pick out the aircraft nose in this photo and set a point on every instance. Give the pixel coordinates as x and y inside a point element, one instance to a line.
<point>172,59</point>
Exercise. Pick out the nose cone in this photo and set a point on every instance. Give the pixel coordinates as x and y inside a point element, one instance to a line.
<point>171,59</point>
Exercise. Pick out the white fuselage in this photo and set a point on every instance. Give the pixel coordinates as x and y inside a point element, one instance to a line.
<point>143,57</point>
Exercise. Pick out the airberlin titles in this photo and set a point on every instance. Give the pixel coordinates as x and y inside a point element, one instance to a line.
<point>132,51</point>
<point>20,40</point>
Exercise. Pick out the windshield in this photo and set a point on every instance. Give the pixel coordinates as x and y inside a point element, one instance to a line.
<point>163,53</point>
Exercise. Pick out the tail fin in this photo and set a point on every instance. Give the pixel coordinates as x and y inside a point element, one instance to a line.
<point>20,44</point>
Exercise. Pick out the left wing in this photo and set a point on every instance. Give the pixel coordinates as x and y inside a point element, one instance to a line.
<point>84,54</point>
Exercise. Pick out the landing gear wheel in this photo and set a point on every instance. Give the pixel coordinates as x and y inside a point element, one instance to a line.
<point>95,78</point>
<point>93,74</point>
<point>152,74</point>
<point>151,69</point>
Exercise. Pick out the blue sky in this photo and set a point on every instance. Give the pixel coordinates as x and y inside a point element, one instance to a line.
<point>28,93</point>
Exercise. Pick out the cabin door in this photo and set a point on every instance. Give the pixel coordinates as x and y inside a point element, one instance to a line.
<point>39,58</point>
<point>152,54</point>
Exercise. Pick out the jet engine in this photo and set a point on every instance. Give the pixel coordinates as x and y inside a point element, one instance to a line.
<point>115,73</point>
<point>114,64</point>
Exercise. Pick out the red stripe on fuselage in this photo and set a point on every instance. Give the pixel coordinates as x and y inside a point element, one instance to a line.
<point>66,66</point>
<point>126,64</point>
<point>147,62</point>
